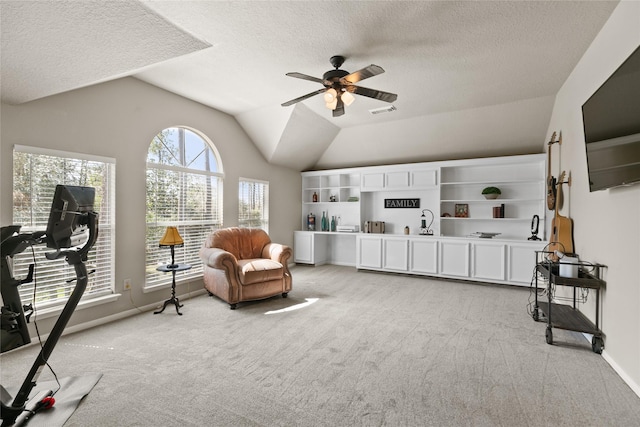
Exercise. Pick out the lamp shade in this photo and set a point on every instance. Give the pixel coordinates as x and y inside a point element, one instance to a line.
<point>347,98</point>
<point>330,95</point>
<point>332,105</point>
<point>171,238</point>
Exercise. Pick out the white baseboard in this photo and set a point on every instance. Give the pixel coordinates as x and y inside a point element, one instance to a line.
<point>626,378</point>
<point>117,316</point>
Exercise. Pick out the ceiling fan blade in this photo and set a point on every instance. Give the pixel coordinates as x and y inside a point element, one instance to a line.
<point>303,97</point>
<point>339,108</point>
<point>372,93</point>
<point>305,77</point>
<point>365,73</point>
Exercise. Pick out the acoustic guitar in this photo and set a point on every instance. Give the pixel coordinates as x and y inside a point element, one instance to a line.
<point>551,181</point>
<point>561,226</point>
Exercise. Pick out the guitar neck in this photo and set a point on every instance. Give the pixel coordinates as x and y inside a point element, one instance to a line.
<point>559,194</point>
<point>549,145</point>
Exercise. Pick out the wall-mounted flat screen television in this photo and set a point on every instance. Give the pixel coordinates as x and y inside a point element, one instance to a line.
<point>611,118</point>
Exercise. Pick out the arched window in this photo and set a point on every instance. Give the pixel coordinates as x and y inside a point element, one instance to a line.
<point>184,189</point>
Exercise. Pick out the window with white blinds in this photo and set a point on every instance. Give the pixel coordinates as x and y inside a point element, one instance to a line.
<point>36,172</point>
<point>184,189</point>
<point>253,204</point>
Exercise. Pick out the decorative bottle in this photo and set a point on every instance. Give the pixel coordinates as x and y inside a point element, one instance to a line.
<point>311,222</point>
<point>323,222</point>
<point>333,223</point>
<point>315,197</point>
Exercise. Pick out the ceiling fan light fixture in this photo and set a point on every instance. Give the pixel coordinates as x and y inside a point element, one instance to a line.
<point>339,86</point>
<point>330,96</point>
<point>333,104</point>
<point>347,98</point>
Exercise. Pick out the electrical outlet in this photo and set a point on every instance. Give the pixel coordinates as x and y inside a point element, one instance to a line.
<point>127,284</point>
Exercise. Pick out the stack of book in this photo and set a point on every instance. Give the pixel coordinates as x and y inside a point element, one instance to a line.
<point>483,234</point>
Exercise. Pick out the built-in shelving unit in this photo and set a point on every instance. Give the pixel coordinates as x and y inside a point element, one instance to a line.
<point>337,194</point>
<point>357,195</point>
<point>521,182</point>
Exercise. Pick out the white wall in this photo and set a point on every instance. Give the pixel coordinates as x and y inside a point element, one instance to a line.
<point>606,223</point>
<point>497,130</point>
<point>118,119</point>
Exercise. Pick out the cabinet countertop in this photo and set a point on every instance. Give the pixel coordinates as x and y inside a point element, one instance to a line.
<point>419,236</point>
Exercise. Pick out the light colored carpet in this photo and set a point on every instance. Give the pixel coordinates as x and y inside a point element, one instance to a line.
<point>346,348</point>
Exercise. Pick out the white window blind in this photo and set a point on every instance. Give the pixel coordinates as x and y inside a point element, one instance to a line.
<point>253,204</point>
<point>36,172</point>
<point>184,189</point>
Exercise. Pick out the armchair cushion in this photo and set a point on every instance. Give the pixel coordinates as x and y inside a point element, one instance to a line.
<point>259,270</point>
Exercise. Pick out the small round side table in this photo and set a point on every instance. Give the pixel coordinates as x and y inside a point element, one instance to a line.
<point>173,269</point>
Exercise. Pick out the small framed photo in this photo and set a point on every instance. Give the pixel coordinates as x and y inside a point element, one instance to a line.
<point>462,210</point>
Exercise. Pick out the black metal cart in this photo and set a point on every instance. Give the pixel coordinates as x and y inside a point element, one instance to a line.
<point>564,316</point>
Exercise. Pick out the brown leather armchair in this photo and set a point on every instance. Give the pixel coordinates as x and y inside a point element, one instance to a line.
<point>242,264</point>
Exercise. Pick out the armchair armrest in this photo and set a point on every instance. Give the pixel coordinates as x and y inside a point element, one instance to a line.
<point>218,258</point>
<point>277,252</point>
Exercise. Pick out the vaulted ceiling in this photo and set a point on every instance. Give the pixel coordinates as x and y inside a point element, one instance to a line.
<point>472,78</point>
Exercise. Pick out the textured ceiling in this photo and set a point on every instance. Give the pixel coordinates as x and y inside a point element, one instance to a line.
<point>51,47</point>
<point>439,56</point>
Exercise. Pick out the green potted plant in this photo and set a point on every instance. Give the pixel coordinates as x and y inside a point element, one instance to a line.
<point>491,192</point>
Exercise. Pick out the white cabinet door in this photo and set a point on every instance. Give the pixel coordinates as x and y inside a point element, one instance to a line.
<point>309,247</point>
<point>521,262</point>
<point>454,258</point>
<point>369,252</point>
<point>488,261</point>
<point>423,256</point>
<point>397,180</point>
<point>423,178</point>
<point>303,247</point>
<point>372,181</point>
<point>396,254</point>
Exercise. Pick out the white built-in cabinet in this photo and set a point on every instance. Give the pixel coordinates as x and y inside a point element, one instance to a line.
<point>310,248</point>
<point>395,251</point>
<point>406,178</point>
<point>519,266</point>
<point>488,260</point>
<point>454,258</point>
<point>481,260</point>
<point>423,256</point>
<point>356,195</point>
<point>370,251</point>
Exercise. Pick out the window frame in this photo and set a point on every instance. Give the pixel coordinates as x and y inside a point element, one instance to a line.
<point>264,213</point>
<point>188,228</point>
<point>49,272</point>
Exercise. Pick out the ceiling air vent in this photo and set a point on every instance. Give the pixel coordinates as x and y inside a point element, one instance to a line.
<point>386,109</point>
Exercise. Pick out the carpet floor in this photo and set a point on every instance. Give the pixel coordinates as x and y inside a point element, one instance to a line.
<point>347,348</point>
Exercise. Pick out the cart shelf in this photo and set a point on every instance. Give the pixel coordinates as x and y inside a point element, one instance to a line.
<point>564,316</point>
<point>567,317</point>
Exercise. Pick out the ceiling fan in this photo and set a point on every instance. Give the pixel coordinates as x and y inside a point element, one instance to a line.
<point>340,84</point>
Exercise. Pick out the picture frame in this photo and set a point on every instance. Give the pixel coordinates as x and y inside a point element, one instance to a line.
<point>462,210</point>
